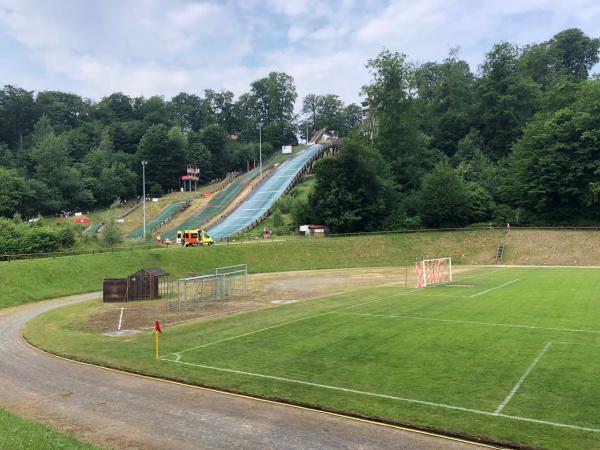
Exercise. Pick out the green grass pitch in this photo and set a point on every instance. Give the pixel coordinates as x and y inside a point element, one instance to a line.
<point>505,353</point>
<point>23,434</point>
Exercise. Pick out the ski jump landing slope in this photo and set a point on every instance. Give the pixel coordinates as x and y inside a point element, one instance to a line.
<point>216,205</point>
<point>256,207</point>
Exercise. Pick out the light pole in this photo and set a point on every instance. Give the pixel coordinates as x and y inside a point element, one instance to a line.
<point>144,193</point>
<point>306,132</point>
<point>260,150</point>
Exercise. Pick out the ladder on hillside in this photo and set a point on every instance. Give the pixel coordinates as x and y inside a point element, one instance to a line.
<point>500,253</point>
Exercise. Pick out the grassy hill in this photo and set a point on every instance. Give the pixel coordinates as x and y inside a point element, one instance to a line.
<point>32,280</point>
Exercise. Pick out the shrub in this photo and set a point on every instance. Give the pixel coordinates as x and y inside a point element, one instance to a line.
<point>111,235</point>
<point>277,218</point>
<point>19,237</point>
<point>286,204</point>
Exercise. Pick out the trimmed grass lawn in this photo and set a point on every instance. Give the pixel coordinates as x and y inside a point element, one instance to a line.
<point>23,434</point>
<point>503,353</point>
<point>31,280</point>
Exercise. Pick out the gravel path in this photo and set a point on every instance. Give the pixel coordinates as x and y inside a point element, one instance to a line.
<point>119,410</point>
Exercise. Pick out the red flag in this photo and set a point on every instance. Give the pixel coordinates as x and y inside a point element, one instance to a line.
<point>157,327</point>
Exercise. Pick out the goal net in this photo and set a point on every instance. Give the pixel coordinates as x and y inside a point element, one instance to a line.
<point>433,271</point>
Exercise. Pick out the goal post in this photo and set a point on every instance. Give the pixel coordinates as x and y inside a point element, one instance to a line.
<point>433,271</point>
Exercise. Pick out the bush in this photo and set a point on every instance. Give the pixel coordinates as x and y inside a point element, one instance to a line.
<point>286,204</point>
<point>19,237</point>
<point>66,236</point>
<point>301,214</point>
<point>111,235</point>
<point>277,218</point>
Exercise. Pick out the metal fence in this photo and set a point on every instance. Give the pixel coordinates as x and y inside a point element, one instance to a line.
<point>224,284</point>
<point>232,280</point>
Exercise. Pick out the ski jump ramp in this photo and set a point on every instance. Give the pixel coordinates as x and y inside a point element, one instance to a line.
<point>258,205</point>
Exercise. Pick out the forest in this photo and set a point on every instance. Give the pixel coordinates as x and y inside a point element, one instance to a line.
<point>517,140</point>
<point>61,152</point>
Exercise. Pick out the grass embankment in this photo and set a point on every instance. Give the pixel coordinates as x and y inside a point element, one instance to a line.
<point>552,247</point>
<point>31,280</point>
<point>23,434</point>
<point>449,358</point>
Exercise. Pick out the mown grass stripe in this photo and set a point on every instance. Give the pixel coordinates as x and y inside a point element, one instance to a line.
<point>467,322</point>
<point>386,396</point>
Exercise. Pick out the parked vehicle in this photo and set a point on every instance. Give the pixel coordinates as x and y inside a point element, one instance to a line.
<point>194,238</point>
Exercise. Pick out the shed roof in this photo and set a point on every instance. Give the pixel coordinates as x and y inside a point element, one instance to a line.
<point>156,271</point>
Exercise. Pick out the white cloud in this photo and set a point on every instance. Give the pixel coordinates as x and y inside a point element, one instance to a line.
<point>147,47</point>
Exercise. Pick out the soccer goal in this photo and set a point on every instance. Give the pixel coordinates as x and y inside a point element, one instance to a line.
<point>433,271</point>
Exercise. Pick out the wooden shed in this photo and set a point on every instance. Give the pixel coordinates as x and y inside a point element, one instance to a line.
<point>142,285</point>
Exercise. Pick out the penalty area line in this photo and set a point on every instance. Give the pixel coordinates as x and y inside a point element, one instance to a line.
<point>386,396</point>
<point>522,379</point>
<point>469,322</point>
<point>494,288</point>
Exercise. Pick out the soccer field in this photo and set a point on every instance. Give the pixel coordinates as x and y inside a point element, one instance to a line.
<point>513,354</point>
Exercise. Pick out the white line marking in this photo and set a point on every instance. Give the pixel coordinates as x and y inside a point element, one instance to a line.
<point>494,288</point>
<point>468,322</point>
<point>120,320</point>
<point>522,379</point>
<point>377,299</point>
<point>389,397</point>
<point>575,343</point>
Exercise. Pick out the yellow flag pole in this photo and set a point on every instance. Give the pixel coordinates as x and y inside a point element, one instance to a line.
<point>156,333</point>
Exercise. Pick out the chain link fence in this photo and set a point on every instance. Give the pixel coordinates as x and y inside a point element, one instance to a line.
<point>224,284</point>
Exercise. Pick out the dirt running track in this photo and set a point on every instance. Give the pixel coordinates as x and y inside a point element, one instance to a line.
<point>119,410</point>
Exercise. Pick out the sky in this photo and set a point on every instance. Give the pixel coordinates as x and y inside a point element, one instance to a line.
<point>159,47</point>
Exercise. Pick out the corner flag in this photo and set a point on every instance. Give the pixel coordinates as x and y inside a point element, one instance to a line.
<point>157,331</point>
